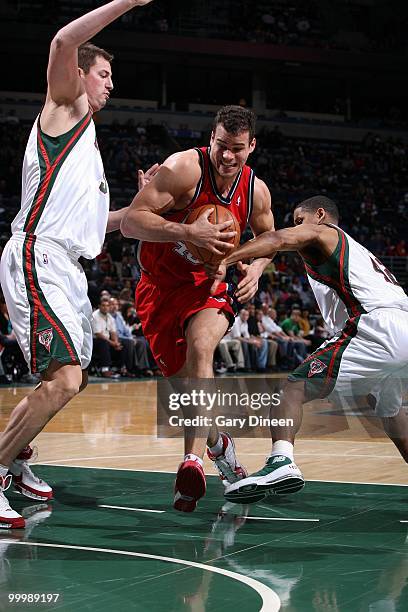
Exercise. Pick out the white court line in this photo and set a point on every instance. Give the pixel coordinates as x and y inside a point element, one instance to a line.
<point>254,518</point>
<point>153,436</point>
<point>343,455</point>
<point>97,467</point>
<point>403,521</point>
<point>270,600</point>
<point>114,457</point>
<point>382,484</point>
<point>92,435</point>
<point>267,518</point>
<point>298,454</point>
<point>132,509</point>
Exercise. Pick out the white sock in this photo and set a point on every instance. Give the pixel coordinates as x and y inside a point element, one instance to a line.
<point>282,447</point>
<point>192,457</point>
<point>3,470</point>
<point>218,447</point>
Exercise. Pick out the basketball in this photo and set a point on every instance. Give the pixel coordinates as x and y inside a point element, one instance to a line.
<point>220,214</point>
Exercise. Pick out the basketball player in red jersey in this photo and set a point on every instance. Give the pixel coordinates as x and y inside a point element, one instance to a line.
<point>184,313</point>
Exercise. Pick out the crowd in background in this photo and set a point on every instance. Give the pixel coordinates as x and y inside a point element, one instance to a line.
<point>368,180</point>
<point>374,27</point>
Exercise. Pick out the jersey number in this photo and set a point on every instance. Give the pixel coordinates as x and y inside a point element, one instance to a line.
<point>381,269</point>
<point>183,251</point>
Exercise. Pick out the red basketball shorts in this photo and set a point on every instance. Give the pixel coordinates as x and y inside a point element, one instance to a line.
<point>165,312</point>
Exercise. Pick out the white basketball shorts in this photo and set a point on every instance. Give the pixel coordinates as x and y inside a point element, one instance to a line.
<point>46,293</point>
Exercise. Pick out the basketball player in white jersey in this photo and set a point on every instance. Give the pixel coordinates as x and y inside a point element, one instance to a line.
<point>64,215</point>
<point>367,312</point>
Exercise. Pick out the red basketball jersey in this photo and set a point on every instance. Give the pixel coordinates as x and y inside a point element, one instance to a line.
<point>169,263</point>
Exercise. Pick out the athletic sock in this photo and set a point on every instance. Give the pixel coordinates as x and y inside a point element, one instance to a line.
<point>192,457</point>
<point>282,447</point>
<point>218,447</point>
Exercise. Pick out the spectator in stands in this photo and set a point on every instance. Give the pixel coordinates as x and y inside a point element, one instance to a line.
<point>308,331</point>
<point>105,295</point>
<point>306,297</point>
<point>274,331</point>
<point>129,268</point>
<point>232,354</point>
<point>115,247</point>
<point>126,324</point>
<point>255,348</point>
<point>266,295</point>
<point>124,334</point>
<point>291,327</point>
<point>105,339</point>
<point>104,261</point>
<point>125,296</point>
<point>144,355</point>
<point>304,323</point>
<point>282,265</point>
<point>271,343</point>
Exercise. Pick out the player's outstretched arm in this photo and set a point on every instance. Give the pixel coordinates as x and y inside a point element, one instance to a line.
<point>174,183</point>
<point>261,221</point>
<point>269,243</point>
<point>64,84</point>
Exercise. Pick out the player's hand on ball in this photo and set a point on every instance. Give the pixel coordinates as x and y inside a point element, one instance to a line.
<point>248,285</point>
<point>212,237</point>
<point>144,178</point>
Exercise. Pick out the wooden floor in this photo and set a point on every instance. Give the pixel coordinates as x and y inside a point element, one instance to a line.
<point>114,425</point>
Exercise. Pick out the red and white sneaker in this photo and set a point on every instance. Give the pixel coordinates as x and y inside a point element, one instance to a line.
<point>24,481</point>
<point>8,518</point>
<point>227,465</point>
<point>190,484</point>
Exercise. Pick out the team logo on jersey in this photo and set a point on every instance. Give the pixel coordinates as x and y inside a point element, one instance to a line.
<point>96,144</point>
<point>45,258</point>
<point>45,338</point>
<point>239,200</point>
<point>316,367</point>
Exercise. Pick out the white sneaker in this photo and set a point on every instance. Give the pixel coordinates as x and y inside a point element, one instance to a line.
<point>280,476</point>
<point>25,481</point>
<point>228,467</point>
<point>8,518</point>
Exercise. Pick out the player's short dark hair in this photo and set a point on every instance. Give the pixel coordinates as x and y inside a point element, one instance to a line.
<point>320,201</point>
<point>87,54</point>
<point>236,119</point>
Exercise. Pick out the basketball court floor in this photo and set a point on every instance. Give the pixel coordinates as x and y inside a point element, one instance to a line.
<point>111,541</point>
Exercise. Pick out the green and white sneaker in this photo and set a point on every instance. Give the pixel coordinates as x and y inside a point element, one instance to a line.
<point>279,476</point>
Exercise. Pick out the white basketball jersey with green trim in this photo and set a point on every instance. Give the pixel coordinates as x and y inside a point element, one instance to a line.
<point>65,194</point>
<point>351,282</point>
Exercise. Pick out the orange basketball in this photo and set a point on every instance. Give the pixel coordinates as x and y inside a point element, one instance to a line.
<point>220,214</point>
